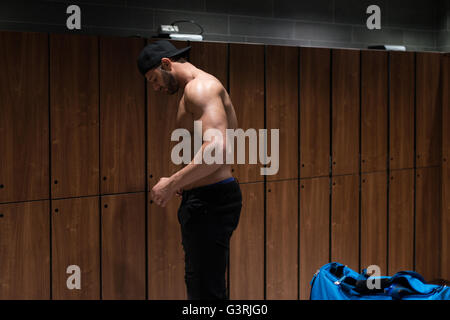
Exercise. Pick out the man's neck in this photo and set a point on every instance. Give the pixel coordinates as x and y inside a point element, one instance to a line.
<point>186,73</point>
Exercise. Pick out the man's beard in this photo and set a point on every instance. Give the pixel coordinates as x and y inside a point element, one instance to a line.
<point>170,82</point>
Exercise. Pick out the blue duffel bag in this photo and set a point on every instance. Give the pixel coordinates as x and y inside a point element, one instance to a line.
<point>334,281</point>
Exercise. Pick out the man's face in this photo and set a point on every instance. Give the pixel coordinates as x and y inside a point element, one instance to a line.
<point>162,80</point>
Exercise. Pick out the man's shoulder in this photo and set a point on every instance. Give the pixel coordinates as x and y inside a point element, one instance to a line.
<point>201,89</point>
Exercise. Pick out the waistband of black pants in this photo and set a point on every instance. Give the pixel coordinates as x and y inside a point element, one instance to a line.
<point>220,186</point>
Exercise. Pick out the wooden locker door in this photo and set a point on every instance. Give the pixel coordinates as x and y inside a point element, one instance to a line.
<point>314,229</point>
<point>247,246</point>
<point>123,246</point>
<point>345,220</point>
<point>282,111</point>
<point>374,220</point>
<point>401,108</point>
<point>212,58</point>
<point>445,257</point>
<point>25,251</point>
<point>345,114</point>
<point>315,71</point>
<point>247,96</point>
<point>24,161</point>
<point>76,241</point>
<point>374,110</point>
<point>122,116</point>
<point>282,240</point>
<point>74,115</point>
<point>428,222</point>
<point>401,221</point>
<point>165,252</point>
<point>428,109</point>
<point>446,109</point>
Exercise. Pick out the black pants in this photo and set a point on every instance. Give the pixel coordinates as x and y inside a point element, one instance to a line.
<point>208,215</point>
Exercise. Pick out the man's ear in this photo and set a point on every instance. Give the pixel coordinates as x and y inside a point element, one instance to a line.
<point>166,64</point>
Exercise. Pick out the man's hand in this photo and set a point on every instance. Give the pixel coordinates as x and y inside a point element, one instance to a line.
<point>163,191</point>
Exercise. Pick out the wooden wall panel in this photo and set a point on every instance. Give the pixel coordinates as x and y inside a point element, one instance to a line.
<point>315,71</point>
<point>346,110</point>
<point>25,251</point>
<point>374,111</point>
<point>314,230</point>
<point>247,95</point>
<point>165,253</point>
<point>24,161</point>
<point>428,222</point>
<point>247,246</point>
<point>122,116</point>
<point>212,58</point>
<point>74,100</point>
<point>345,220</point>
<point>374,220</point>
<point>76,241</point>
<point>401,221</point>
<point>123,246</point>
<point>282,240</point>
<point>428,109</point>
<point>282,110</point>
<point>401,108</point>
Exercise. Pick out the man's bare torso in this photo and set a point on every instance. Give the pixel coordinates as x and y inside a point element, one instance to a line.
<point>187,116</point>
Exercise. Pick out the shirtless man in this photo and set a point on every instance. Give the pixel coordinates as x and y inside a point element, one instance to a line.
<point>211,197</point>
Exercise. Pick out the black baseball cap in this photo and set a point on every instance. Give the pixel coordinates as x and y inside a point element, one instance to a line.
<point>150,57</point>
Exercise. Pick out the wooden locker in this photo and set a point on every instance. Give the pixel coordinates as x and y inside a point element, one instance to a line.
<point>247,246</point>
<point>315,71</point>
<point>314,229</point>
<point>165,253</point>
<point>122,116</point>
<point>428,109</point>
<point>24,142</point>
<point>74,100</point>
<point>445,229</point>
<point>345,220</point>
<point>346,111</point>
<point>123,246</point>
<point>446,109</point>
<point>25,251</point>
<point>247,96</point>
<point>211,57</point>
<point>401,110</point>
<point>282,110</point>
<point>374,220</point>
<point>428,222</point>
<point>76,242</point>
<point>401,221</point>
<point>282,240</point>
<point>374,111</point>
